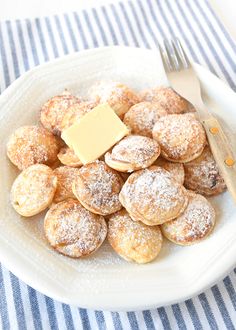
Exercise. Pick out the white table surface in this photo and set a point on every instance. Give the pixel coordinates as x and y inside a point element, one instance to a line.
<point>11,9</point>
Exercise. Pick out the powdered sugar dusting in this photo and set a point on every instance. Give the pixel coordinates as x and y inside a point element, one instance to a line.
<point>194,224</point>
<point>178,134</point>
<point>202,175</point>
<point>68,157</point>
<point>176,169</point>
<point>167,97</point>
<point>30,145</point>
<point>105,90</point>
<point>135,149</point>
<point>98,187</point>
<point>153,194</point>
<point>65,178</point>
<point>75,112</point>
<point>117,95</point>
<point>110,91</point>
<point>133,240</point>
<point>33,189</point>
<point>142,117</point>
<point>73,230</point>
<point>53,111</point>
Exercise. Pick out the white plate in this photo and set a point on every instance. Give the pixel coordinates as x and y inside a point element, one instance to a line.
<point>105,281</point>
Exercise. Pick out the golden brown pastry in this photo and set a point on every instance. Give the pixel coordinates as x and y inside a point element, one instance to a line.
<point>142,117</point>
<point>74,231</point>
<point>195,224</point>
<point>53,111</point>
<point>172,102</point>
<point>175,169</point>
<point>153,196</point>
<point>182,137</point>
<point>117,95</point>
<point>68,157</point>
<point>97,188</point>
<point>202,175</point>
<point>65,178</point>
<point>133,240</point>
<point>56,164</point>
<point>75,112</point>
<point>133,153</point>
<point>33,190</point>
<point>30,145</point>
<point>124,175</point>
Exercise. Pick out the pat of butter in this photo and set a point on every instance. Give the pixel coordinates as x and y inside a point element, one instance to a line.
<point>95,133</point>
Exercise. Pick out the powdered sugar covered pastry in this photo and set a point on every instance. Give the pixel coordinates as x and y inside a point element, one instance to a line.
<point>202,175</point>
<point>53,111</point>
<point>65,178</point>
<point>69,158</point>
<point>75,112</point>
<point>133,240</point>
<point>182,137</point>
<point>153,196</point>
<point>117,95</point>
<point>142,116</point>
<point>30,145</point>
<point>74,231</point>
<point>175,169</point>
<point>132,153</point>
<point>33,190</point>
<point>97,187</point>
<point>194,224</point>
<point>172,102</point>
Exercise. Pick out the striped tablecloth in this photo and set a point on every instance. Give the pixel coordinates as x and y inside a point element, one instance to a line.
<point>140,23</point>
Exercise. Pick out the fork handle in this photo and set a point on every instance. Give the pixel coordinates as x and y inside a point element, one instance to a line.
<point>222,153</point>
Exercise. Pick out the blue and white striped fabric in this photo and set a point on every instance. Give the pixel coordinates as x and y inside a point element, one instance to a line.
<point>140,23</point>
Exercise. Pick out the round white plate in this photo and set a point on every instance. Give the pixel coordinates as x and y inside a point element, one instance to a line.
<point>105,281</point>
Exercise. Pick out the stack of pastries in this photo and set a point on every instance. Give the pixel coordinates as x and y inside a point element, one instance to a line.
<point>152,183</point>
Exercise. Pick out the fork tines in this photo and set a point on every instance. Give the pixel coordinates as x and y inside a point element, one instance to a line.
<point>173,55</point>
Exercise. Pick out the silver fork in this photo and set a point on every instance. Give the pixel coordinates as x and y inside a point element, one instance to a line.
<point>184,81</point>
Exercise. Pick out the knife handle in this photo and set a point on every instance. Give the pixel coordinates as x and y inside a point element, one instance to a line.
<point>222,153</point>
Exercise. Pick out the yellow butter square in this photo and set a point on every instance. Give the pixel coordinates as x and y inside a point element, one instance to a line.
<point>95,133</point>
